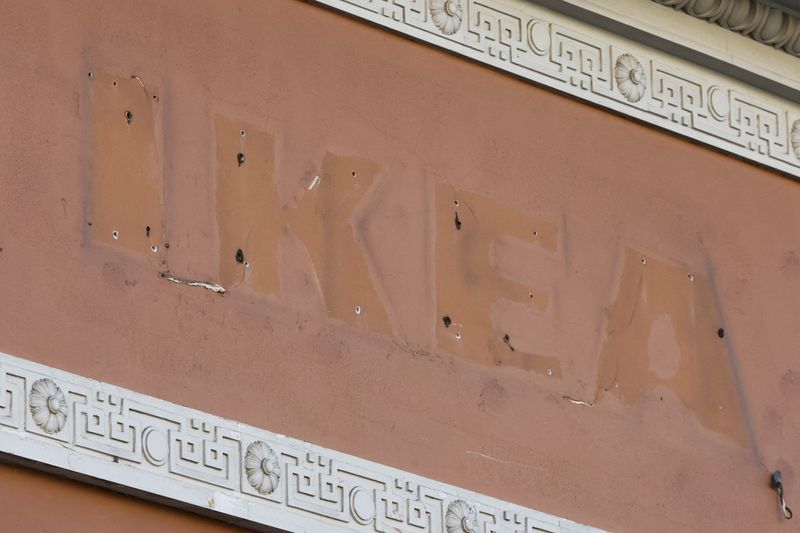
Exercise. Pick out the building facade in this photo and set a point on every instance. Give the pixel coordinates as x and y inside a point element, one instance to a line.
<point>456,266</point>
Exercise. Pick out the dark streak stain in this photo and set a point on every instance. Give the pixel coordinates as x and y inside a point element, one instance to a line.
<point>507,340</point>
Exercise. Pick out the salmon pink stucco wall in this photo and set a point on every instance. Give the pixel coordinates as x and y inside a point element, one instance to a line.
<point>37,502</point>
<point>428,264</point>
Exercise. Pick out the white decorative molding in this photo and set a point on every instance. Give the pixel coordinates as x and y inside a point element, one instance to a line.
<point>111,436</point>
<point>548,48</point>
<point>756,19</point>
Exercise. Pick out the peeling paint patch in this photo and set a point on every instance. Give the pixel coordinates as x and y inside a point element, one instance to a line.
<point>213,287</point>
<point>578,402</point>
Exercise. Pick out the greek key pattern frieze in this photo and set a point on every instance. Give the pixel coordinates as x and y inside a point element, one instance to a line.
<point>531,42</point>
<point>63,421</point>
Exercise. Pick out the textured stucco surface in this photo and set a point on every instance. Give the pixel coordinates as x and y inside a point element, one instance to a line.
<point>391,385</point>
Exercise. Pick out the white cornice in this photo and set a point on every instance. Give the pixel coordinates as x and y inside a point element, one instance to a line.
<point>756,19</point>
<point>584,61</point>
<point>106,435</point>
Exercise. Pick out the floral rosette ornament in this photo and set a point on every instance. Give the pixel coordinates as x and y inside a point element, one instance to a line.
<point>48,406</point>
<point>631,78</point>
<point>461,518</point>
<point>262,467</point>
<point>446,15</point>
<point>795,138</point>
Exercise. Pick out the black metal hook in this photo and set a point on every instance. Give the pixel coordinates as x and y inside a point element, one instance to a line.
<point>777,484</point>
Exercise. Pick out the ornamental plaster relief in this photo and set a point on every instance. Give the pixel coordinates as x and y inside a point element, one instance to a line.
<point>761,22</point>
<point>547,48</point>
<point>136,443</point>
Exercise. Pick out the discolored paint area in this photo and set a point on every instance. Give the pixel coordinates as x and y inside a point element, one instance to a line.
<point>249,217</point>
<point>486,313</point>
<point>664,329</point>
<point>283,348</point>
<point>330,219</point>
<point>327,218</point>
<point>126,190</point>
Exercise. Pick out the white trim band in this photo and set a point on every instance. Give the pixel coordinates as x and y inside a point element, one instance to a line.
<point>140,445</point>
<point>548,48</point>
